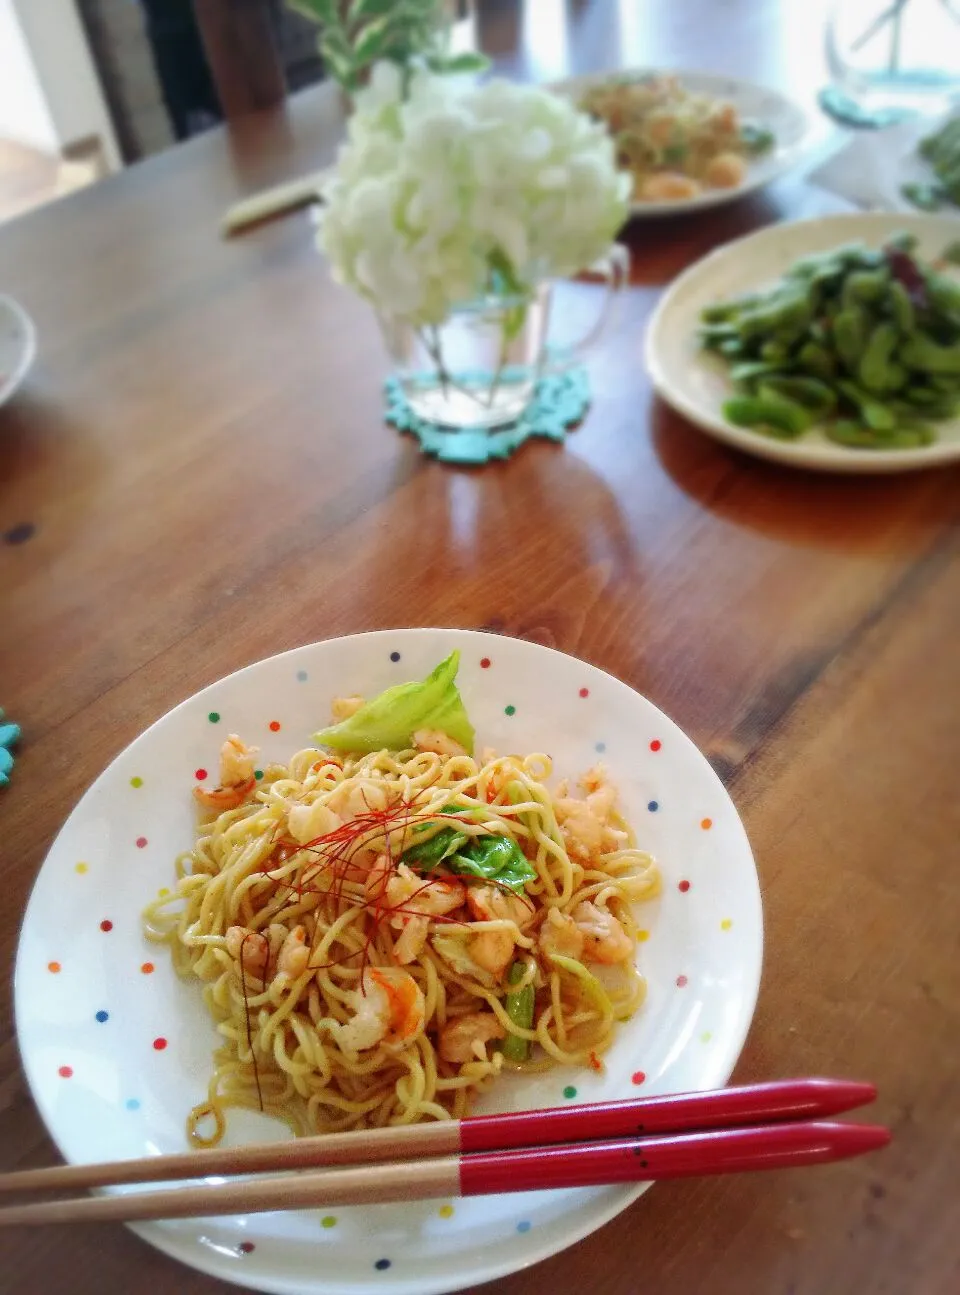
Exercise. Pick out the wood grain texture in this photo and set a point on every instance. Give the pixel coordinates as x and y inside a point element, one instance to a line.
<point>202,453</point>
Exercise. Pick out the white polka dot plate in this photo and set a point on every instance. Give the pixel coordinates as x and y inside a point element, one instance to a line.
<point>117,1049</point>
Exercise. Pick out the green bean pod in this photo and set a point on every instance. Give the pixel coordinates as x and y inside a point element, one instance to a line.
<point>850,335</point>
<point>875,369</point>
<point>921,352</point>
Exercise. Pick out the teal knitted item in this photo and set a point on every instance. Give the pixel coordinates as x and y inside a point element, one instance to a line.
<point>559,401</point>
<point>8,735</point>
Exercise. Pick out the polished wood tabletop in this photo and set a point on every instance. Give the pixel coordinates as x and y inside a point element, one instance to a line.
<point>198,475</point>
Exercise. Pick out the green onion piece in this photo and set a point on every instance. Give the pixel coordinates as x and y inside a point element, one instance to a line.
<point>519,1007</point>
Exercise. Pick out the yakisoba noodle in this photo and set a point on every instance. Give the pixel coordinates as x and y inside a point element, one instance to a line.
<point>344,998</point>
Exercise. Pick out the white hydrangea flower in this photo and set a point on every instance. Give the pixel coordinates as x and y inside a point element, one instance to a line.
<point>436,191</point>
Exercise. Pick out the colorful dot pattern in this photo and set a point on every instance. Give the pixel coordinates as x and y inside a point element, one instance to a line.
<point>160,1043</point>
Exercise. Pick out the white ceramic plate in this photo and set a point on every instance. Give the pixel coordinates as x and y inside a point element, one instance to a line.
<point>116,1054</point>
<point>18,346</point>
<point>696,382</point>
<point>792,127</point>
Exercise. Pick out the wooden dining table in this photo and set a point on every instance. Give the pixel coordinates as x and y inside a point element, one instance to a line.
<point>197,474</point>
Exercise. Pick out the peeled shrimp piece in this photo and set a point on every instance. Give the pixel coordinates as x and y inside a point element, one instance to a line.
<point>236,777</point>
<point>465,1038</point>
<point>604,939</point>
<point>420,900</point>
<point>389,1009</point>
<point>560,934</point>
<point>294,956</point>
<point>308,822</point>
<point>667,186</point>
<point>492,950</point>
<point>255,948</point>
<point>581,828</point>
<point>435,740</point>
<point>354,799</point>
<point>725,171</point>
<point>431,898</point>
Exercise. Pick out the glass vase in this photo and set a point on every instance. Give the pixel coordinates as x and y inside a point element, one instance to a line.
<point>480,367</point>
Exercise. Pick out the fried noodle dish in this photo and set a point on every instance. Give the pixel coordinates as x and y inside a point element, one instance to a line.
<point>675,144</point>
<point>387,923</point>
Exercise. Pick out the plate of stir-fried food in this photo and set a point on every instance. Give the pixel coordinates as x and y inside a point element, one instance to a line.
<point>692,139</point>
<point>393,878</point>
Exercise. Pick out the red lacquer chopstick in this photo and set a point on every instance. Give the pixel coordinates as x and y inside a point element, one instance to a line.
<point>790,1099</point>
<point>721,1151</point>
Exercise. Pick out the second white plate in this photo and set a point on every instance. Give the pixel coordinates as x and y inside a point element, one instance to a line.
<point>794,131</point>
<point>696,382</point>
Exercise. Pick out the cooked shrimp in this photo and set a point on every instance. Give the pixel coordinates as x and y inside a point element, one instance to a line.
<point>236,761</point>
<point>667,186</point>
<point>560,934</point>
<point>594,778</point>
<point>255,949</point>
<point>353,799</point>
<point>466,1038</point>
<point>582,830</point>
<point>390,1010</point>
<point>308,822</point>
<point>420,901</point>
<point>725,171</point>
<point>247,946</point>
<point>493,950</point>
<point>412,939</point>
<point>237,778</point>
<point>432,739</point>
<point>431,898</point>
<point>585,823</point>
<point>604,939</point>
<point>343,707</point>
<point>294,955</point>
<point>491,904</point>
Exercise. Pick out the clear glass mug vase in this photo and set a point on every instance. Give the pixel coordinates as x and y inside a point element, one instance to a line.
<point>902,55</point>
<point>479,369</point>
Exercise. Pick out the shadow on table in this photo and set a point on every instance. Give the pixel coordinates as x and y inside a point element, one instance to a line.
<point>831,510</point>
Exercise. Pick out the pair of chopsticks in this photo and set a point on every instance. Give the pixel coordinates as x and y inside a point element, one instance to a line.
<point>732,1130</point>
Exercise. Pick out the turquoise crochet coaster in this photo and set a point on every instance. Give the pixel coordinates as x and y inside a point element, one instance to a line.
<point>8,735</point>
<point>559,401</point>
